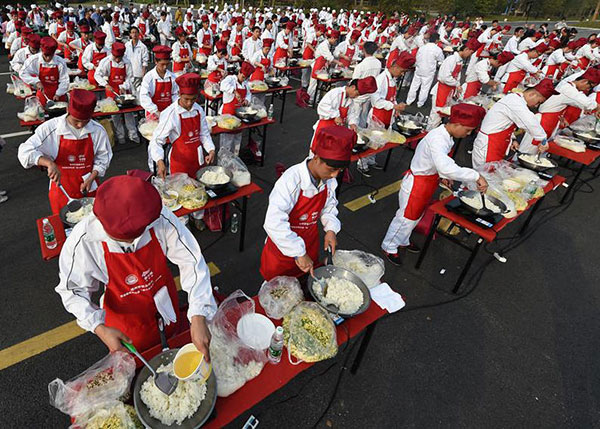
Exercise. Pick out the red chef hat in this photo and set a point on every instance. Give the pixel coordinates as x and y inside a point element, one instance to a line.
<point>220,46</point>
<point>19,25</point>
<point>48,45</point>
<point>554,43</point>
<point>118,49</point>
<point>593,75</point>
<point>247,69</point>
<point>126,205</point>
<point>538,35</point>
<point>81,104</point>
<point>179,31</point>
<point>189,83</point>
<point>335,34</point>
<point>99,37</point>
<point>289,25</point>
<point>162,52</point>
<point>26,30</point>
<point>188,15</point>
<point>226,33</point>
<point>355,34</point>
<point>572,45</point>
<point>552,36</point>
<point>411,31</point>
<point>507,27</point>
<point>473,44</point>
<point>367,85</point>
<point>22,14</point>
<point>33,40</point>
<point>204,18</point>
<point>84,28</point>
<point>70,25</point>
<point>541,48</point>
<point>546,88</point>
<point>145,14</point>
<point>469,115</point>
<point>267,43</point>
<point>335,143</point>
<point>405,60</point>
<point>239,20</point>
<point>116,16</point>
<point>321,28</point>
<point>505,57</point>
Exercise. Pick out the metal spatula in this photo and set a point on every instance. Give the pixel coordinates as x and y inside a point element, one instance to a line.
<point>73,205</point>
<point>165,382</point>
<point>49,103</point>
<point>483,200</point>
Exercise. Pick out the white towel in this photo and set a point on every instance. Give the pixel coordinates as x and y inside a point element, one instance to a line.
<point>164,305</point>
<point>386,298</point>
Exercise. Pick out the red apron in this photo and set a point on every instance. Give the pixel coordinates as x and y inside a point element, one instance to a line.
<point>259,73</point>
<point>206,40</point>
<point>552,70</point>
<point>213,27</point>
<point>549,121</point>
<point>319,64</point>
<point>229,108</point>
<point>421,193</point>
<point>382,115</point>
<point>133,280</point>
<point>472,89</point>
<point>59,29</point>
<point>498,144</point>
<point>115,80</point>
<point>188,27</point>
<point>349,53</point>
<point>309,54</point>
<point>162,96</point>
<point>75,159</point>
<point>514,79</point>
<point>96,58</point>
<point>116,31</point>
<point>179,66</point>
<point>444,91</point>
<point>80,59</point>
<point>67,51</point>
<point>330,122</point>
<point>142,28</point>
<point>236,51</point>
<point>562,68</point>
<point>280,52</point>
<point>303,221</point>
<point>49,79</point>
<point>184,156</point>
<point>583,63</point>
<point>215,76</point>
<point>571,114</point>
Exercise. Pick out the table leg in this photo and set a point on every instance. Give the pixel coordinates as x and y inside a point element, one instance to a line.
<point>283,97</point>
<point>436,221</point>
<point>363,347</point>
<point>467,266</point>
<point>573,183</point>
<point>387,159</point>
<point>263,146</point>
<point>531,213</point>
<point>243,223</point>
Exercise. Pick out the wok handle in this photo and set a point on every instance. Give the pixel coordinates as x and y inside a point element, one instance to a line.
<point>161,331</point>
<point>328,256</point>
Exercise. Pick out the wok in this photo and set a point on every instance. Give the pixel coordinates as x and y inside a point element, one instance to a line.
<point>123,101</point>
<point>402,122</point>
<point>63,212</point>
<point>214,168</point>
<point>57,109</point>
<point>335,74</point>
<point>588,137</point>
<point>533,166</point>
<point>273,82</point>
<point>247,114</point>
<point>481,211</point>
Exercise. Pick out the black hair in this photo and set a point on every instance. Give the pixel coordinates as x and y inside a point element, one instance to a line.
<point>353,82</point>
<point>133,27</point>
<point>370,47</point>
<point>434,37</point>
<point>267,22</point>
<point>484,27</point>
<point>495,21</point>
<point>163,13</point>
<point>256,27</point>
<point>334,163</point>
<point>518,29</point>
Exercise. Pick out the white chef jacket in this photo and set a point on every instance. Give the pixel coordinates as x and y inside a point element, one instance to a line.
<point>378,100</point>
<point>399,43</point>
<point>18,44</point>
<point>138,56</point>
<point>428,57</point>
<point>556,57</point>
<point>77,45</point>
<point>169,127</point>
<point>228,87</point>
<point>250,47</point>
<point>282,200</point>
<point>214,62</point>
<point>63,37</point>
<point>102,73</point>
<point>431,157</point>
<point>369,66</point>
<point>110,35</point>
<point>341,48</point>
<point>418,42</point>
<point>324,50</point>
<point>526,44</point>
<point>520,62</point>
<point>188,25</point>
<point>258,56</point>
<point>280,40</point>
<point>329,106</point>
<point>164,27</point>
<point>19,58</point>
<point>147,89</point>
<point>568,96</point>
<point>86,59</point>
<point>177,46</point>
<point>456,33</point>
<point>447,67</point>
<point>31,69</point>
<point>200,36</point>
<point>443,33</point>
<point>309,37</point>
<point>512,46</point>
<point>46,141</point>
<point>83,269</point>
<point>586,51</point>
<point>139,20</point>
<point>480,72</point>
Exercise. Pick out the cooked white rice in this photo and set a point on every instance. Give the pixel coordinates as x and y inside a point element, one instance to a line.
<point>342,293</point>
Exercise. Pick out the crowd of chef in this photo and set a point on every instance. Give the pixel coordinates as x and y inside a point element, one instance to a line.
<point>125,243</point>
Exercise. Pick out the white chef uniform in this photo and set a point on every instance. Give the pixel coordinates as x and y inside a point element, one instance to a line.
<point>19,59</point>
<point>427,60</point>
<point>138,57</point>
<point>323,50</point>
<point>232,141</point>
<point>148,86</point>
<point>31,69</point>
<point>448,74</point>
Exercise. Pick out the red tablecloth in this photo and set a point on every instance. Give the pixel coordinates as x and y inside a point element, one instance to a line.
<point>410,142</point>
<point>268,91</point>
<point>265,121</point>
<point>488,234</point>
<point>244,191</point>
<point>59,232</point>
<point>95,115</point>
<point>585,158</point>
<point>272,377</point>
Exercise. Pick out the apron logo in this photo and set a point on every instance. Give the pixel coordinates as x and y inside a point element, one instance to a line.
<point>190,134</point>
<point>303,217</point>
<point>71,158</point>
<point>314,215</point>
<point>131,279</point>
<point>162,94</point>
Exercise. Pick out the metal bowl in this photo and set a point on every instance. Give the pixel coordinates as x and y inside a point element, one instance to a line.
<point>214,168</point>
<point>63,212</point>
<point>58,109</point>
<point>247,114</point>
<point>401,126</point>
<point>330,271</point>
<point>273,82</point>
<point>588,137</point>
<point>335,74</point>
<point>481,211</point>
<point>293,62</point>
<point>533,166</point>
<point>124,101</point>
<point>201,415</point>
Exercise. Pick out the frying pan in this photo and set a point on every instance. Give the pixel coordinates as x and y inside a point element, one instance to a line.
<point>533,166</point>
<point>63,212</point>
<point>482,211</point>
<point>213,168</point>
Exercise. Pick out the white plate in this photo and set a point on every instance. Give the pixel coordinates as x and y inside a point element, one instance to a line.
<point>175,208</point>
<point>255,330</point>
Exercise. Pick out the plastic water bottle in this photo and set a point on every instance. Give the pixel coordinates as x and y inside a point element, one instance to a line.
<point>271,111</point>
<point>530,189</point>
<point>235,223</point>
<point>276,347</point>
<point>49,236</point>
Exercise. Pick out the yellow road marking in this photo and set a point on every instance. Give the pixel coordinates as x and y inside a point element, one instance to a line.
<point>54,337</point>
<point>364,201</point>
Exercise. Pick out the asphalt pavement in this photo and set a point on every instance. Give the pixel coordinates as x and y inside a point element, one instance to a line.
<point>517,347</point>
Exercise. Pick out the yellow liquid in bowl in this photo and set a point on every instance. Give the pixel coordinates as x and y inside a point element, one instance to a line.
<point>187,363</point>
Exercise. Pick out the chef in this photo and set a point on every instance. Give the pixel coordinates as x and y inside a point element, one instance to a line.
<point>262,63</point>
<point>496,133</point>
<point>521,65</point>
<point>323,59</point>
<point>21,41</point>
<point>340,106</point>
<point>205,37</point>
<point>302,196</point>
<point>574,94</point>
<point>188,24</point>
<point>310,41</point>
<point>347,51</point>
<point>136,53</point>
<point>115,74</point>
<point>93,53</point>
<point>158,89</point>
<point>182,52</point>
<point>65,38</point>
<point>32,48</point>
<point>163,27</point>
<point>283,44</point>
<point>480,74</point>
<point>78,45</point>
<point>47,72</point>
<point>559,59</point>
<point>428,57</point>
<point>143,24</point>
<point>252,44</point>
<point>74,148</point>
<point>512,45</point>
<point>125,244</point>
<point>431,162</point>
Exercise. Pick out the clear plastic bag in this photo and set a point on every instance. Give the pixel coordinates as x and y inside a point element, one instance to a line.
<point>102,383</point>
<point>279,295</point>
<point>368,267</point>
<point>146,127</point>
<point>110,415</point>
<point>240,173</point>
<point>309,333</point>
<point>81,83</point>
<point>21,89</point>
<point>228,122</point>
<point>189,193</point>
<point>107,105</point>
<point>32,111</point>
<point>233,362</point>
<point>258,85</point>
<point>212,88</point>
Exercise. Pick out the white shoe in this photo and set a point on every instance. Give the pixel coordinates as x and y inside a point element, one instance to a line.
<point>3,198</point>
<point>3,192</point>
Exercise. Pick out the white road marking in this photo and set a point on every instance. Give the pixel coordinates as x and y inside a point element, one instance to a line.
<point>17,134</point>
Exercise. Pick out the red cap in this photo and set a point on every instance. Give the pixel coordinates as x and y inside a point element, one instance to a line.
<point>411,31</point>
<point>469,115</point>
<point>593,75</point>
<point>33,40</point>
<point>541,48</point>
<point>367,85</point>
<point>188,15</point>
<point>546,88</point>
<point>320,28</point>
<point>335,143</point>
<point>552,36</point>
<point>572,45</point>
<point>507,28</point>
<point>99,37</point>
<point>204,18</point>
<point>473,44</point>
<point>26,30</point>
<point>247,69</point>
<point>81,104</point>
<point>145,14</point>
<point>538,35</point>
<point>289,25</point>
<point>220,46</point>
<point>334,34</point>
<point>84,28</point>
<point>179,31</point>
<point>267,43</point>
<point>117,49</point>
<point>355,34</point>
<point>239,20</point>
<point>162,52</point>
<point>405,60</point>
<point>22,14</point>
<point>189,83</point>
<point>226,33</point>
<point>554,43</point>
<point>126,205</point>
<point>505,57</point>
<point>48,45</point>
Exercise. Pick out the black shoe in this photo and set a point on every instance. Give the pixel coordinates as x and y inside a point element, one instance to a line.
<point>412,248</point>
<point>364,171</point>
<point>394,258</point>
<point>376,166</point>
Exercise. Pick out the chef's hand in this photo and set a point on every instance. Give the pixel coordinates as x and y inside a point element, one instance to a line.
<point>330,241</point>
<point>338,121</point>
<point>514,145</point>
<point>304,263</point>
<point>354,128</point>
<point>161,169</point>
<point>53,172</point>
<point>112,337</point>
<point>56,98</point>
<point>86,184</point>
<point>210,157</point>
<point>108,88</point>
<point>400,107</point>
<point>200,335</point>
<point>448,183</point>
<point>245,102</point>
<point>482,184</point>
<point>543,147</point>
<point>563,122</point>
<point>39,86</point>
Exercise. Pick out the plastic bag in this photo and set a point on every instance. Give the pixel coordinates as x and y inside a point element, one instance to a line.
<point>258,85</point>
<point>102,383</point>
<point>187,192</point>
<point>32,111</point>
<point>81,84</point>
<point>279,295</point>
<point>233,362</point>
<point>20,88</point>
<point>368,267</point>
<point>110,415</point>
<point>281,62</point>
<point>107,105</point>
<point>240,174</point>
<point>228,122</point>
<point>201,58</point>
<point>146,127</point>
